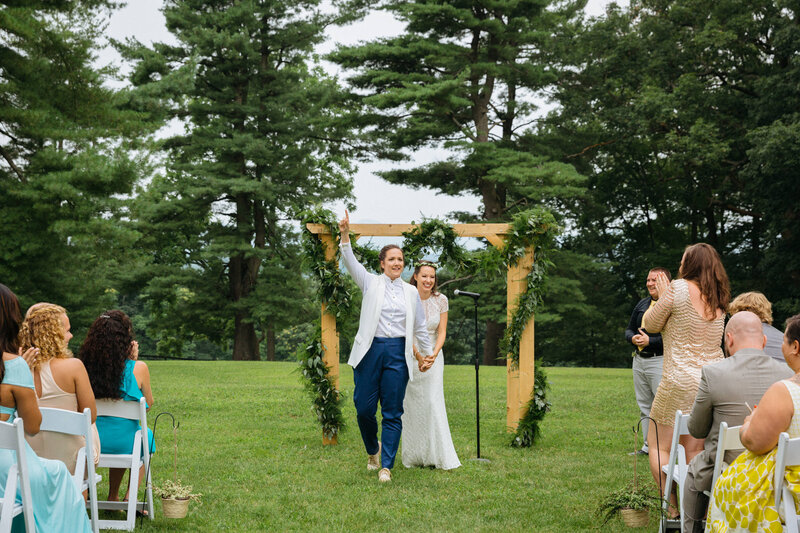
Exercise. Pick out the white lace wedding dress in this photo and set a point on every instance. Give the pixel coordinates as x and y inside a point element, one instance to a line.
<point>426,434</point>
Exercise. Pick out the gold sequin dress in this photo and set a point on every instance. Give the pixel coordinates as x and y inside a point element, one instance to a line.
<point>690,343</point>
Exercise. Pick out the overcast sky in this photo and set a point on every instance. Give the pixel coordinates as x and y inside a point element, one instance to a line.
<point>376,200</point>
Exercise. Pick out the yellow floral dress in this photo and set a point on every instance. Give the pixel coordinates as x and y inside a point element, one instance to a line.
<point>744,497</point>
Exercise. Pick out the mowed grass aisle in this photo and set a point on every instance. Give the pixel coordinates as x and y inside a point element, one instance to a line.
<point>249,443</point>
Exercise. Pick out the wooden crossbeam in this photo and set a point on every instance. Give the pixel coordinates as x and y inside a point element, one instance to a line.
<point>492,232</point>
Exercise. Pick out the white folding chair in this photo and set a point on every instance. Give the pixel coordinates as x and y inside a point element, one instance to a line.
<point>675,470</point>
<point>13,438</point>
<point>788,454</point>
<point>138,457</point>
<point>74,423</point>
<point>728,440</point>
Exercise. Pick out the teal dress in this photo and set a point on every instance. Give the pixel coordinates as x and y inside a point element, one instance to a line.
<point>57,504</point>
<point>116,434</point>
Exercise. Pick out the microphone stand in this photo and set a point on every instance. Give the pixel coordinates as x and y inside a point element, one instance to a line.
<point>477,387</point>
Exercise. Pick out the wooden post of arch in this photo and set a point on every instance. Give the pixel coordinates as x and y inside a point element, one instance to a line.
<point>519,379</point>
<point>330,335</point>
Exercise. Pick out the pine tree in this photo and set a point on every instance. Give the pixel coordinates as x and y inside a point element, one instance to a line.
<point>463,76</point>
<point>263,140</point>
<point>64,163</point>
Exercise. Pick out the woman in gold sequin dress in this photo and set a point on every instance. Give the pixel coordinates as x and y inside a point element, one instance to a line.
<point>690,315</point>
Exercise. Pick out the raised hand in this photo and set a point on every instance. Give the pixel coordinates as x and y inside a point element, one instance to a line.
<point>29,356</point>
<point>344,227</point>
<point>662,284</point>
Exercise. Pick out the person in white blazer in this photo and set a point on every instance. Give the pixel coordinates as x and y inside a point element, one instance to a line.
<point>392,319</point>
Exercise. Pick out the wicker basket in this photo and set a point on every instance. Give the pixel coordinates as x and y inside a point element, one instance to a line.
<point>175,508</point>
<point>635,517</point>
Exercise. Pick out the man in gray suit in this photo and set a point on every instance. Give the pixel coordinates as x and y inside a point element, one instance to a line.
<point>725,386</point>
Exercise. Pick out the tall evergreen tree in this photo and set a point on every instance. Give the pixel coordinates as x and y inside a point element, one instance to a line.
<point>263,139</point>
<point>683,115</point>
<point>463,76</point>
<point>64,168</point>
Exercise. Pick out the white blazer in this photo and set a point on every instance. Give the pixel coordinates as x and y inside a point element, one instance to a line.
<point>371,306</point>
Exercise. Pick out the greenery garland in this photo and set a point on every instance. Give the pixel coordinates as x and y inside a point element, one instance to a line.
<point>433,235</point>
<point>533,228</point>
<point>326,398</point>
<point>331,289</point>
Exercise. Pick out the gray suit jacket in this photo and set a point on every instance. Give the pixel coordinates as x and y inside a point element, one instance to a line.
<point>724,388</point>
<point>774,342</point>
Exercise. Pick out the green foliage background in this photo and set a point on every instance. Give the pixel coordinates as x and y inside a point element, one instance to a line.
<point>667,123</point>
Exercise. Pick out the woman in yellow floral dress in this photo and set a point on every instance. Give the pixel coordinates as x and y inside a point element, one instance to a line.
<point>744,496</point>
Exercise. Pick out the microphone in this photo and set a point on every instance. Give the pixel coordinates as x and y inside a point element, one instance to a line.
<point>466,293</point>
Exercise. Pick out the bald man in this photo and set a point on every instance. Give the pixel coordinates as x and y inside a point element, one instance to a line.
<point>725,386</point>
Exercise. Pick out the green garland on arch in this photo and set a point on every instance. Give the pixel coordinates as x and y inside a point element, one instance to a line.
<point>433,234</point>
<point>535,228</point>
<point>326,399</point>
<point>331,288</point>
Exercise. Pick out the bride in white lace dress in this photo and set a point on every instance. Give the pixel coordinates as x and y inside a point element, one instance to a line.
<point>426,433</point>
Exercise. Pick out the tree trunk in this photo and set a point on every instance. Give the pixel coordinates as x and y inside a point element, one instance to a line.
<point>270,342</point>
<point>243,274</point>
<point>491,351</point>
<point>755,246</point>
<point>245,342</point>
<point>712,227</point>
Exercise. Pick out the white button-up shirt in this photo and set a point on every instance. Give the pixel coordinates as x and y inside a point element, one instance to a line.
<point>392,322</point>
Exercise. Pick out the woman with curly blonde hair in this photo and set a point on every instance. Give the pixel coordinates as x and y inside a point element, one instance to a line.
<point>757,303</point>
<point>61,380</point>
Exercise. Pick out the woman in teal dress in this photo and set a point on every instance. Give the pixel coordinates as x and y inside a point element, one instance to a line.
<point>110,355</point>
<point>57,504</point>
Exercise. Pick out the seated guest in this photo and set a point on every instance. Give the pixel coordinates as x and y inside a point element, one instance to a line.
<point>61,381</point>
<point>743,496</point>
<point>57,504</point>
<point>757,303</point>
<point>110,354</point>
<point>725,389</point>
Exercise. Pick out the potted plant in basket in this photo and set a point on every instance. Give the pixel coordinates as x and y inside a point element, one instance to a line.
<point>633,502</point>
<point>175,496</point>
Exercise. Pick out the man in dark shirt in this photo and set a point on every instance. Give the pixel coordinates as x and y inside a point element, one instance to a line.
<point>647,353</point>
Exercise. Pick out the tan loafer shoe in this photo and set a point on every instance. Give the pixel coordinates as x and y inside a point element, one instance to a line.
<point>374,461</point>
<point>385,475</point>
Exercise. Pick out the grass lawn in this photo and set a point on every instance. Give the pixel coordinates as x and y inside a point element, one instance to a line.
<point>249,442</point>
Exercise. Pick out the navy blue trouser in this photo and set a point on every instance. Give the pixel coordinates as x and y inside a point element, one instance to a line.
<point>381,374</point>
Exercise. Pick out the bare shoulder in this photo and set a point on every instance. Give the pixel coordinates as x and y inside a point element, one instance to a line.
<point>69,363</point>
<point>140,366</point>
<point>780,389</point>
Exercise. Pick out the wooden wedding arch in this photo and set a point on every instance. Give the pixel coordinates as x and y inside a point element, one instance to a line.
<point>520,379</point>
